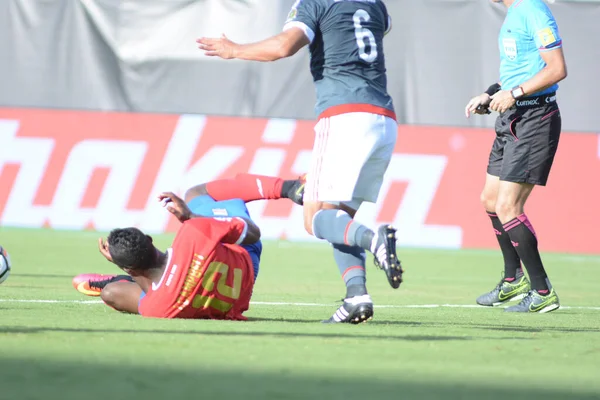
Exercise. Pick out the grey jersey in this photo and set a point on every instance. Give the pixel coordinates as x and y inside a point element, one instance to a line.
<point>347,61</point>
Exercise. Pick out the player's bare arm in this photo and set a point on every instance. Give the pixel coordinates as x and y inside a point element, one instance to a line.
<point>176,206</point>
<point>283,45</point>
<point>554,72</point>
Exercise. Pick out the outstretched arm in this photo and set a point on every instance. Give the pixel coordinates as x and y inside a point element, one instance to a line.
<point>283,45</point>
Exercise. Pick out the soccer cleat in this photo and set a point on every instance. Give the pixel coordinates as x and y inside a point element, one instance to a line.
<point>296,191</point>
<point>384,250</point>
<point>92,284</point>
<point>353,310</point>
<point>537,303</point>
<point>506,291</point>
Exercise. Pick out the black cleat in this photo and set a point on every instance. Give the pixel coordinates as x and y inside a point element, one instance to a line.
<point>385,254</point>
<point>101,284</point>
<point>354,310</point>
<point>92,284</point>
<point>294,190</point>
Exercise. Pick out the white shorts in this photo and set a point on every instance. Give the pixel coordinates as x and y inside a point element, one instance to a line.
<point>350,156</point>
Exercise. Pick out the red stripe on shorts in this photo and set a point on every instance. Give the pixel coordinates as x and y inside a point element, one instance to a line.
<point>321,149</point>
<point>352,108</point>
<point>315,164</point>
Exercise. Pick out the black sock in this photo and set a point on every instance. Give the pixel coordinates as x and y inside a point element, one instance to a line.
<point>525,242</point>
<point>366,239</point>
<point>119,278</point>
<point>512,262</point>
<point>355,290</point>
<point>286,188</point>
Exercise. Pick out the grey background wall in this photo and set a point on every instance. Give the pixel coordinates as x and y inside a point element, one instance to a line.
<point>140,55</point>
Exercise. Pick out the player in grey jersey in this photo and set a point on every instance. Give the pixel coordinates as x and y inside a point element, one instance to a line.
<point>355,134</point>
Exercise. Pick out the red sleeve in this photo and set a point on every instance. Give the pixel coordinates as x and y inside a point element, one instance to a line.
<point>221,230</point>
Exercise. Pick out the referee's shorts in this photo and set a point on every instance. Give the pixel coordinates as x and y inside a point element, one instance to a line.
<point>526,141</point>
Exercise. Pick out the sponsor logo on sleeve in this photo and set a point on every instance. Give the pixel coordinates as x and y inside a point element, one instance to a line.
<point>292,15</point>
<point>546,36</point>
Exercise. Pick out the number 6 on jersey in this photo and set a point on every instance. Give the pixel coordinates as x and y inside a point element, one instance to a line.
<point>363,33</point>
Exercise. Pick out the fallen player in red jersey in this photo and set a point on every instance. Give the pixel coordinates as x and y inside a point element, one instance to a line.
<point>209,271</point>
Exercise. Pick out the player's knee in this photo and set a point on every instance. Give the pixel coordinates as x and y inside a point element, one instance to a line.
<point>193,192</point>
<point>112,296</point>
<point>109,296</point>
<point>488,201</point>
<point>506,210</point>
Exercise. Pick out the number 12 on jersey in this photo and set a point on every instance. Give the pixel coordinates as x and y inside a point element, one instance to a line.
<point>362,35</point>
<point>221,271</point>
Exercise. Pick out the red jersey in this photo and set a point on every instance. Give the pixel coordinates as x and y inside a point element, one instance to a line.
<point>208,276</point>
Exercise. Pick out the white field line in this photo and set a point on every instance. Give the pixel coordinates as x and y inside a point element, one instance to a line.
<point>278,303</point>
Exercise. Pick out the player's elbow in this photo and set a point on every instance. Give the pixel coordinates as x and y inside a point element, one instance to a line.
<point>252,235</point>
<point>562,72</point>
<point>287,47</point>
<point>559,71</point>
<point>283,51</point>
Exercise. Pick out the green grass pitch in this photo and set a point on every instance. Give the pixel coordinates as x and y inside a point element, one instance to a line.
<point>74,350</point>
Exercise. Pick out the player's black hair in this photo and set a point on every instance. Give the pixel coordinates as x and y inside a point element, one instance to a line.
<point>131,248</point>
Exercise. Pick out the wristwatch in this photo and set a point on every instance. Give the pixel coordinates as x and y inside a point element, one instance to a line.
<point>517,92</point>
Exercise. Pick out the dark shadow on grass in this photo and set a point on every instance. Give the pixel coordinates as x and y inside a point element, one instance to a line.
<point>95,379</point>
<point>506,328</point>
<point>531,329</point>
<point>312,321</point>
<point>20,274</point>
<point>401,323</point>
<point>333,335</point>
<point>293,321</point>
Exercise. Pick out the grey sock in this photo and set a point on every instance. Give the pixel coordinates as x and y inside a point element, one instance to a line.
<point>351,263</point>
<point>337,227</point>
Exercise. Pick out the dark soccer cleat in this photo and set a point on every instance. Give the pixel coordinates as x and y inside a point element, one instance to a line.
<point>537,303</point>
<point>385,254</point>
<point>353,310</point>
<point>92,284</point>
<point>506,291</point>
<point>294,190</point>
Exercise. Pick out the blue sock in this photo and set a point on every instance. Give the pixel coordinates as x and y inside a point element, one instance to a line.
<point>351,263</point>
<point>337,227</point>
